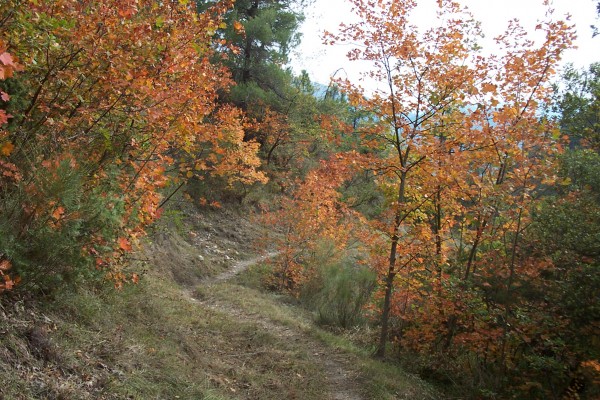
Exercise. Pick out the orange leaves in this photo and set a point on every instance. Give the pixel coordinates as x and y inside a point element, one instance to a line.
<point>6,283</point>
<point>312,218</point>
<point>4,117</point>
<point>124,244</point>
<point>143,88</point>
<point>9,172</point>
<point>128,8</point>
<point>124,90</point>
<point>239,28</point>
<point>469,151</point>
<point>6,148</point>
<point>488,87</point>
<point>7,66</point>
<point>6,59</point>
<point>58,213</point>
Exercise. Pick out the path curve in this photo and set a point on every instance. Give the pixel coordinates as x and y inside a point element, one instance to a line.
<point>240,267</point>
<point>342,381</point>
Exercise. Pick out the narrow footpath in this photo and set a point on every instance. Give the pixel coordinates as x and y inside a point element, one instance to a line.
<point>341,377</point>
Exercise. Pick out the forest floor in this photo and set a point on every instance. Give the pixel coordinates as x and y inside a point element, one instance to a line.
<point>199,325</point>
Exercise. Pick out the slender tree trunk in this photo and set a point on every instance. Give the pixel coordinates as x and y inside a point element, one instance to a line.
<point>391,274</point>
<point>473,250</point>
<point>438,205</point>
<point>509,285</point>
<point>437,231</point>
<point>385,314</point>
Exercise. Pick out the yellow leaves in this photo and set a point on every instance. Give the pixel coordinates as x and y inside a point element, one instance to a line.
<point>565,182</point>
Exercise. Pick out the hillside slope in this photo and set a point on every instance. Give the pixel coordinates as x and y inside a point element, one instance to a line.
<point>189,330</point>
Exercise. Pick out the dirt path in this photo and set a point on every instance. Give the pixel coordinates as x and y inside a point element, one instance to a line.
<point>240,267</point>
<point>341,377</point>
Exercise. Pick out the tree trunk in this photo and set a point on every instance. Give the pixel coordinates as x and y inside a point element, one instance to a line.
<point>391,274</point>
<point>473,250</point>
<point>437,232</point>
<point>385,314</point>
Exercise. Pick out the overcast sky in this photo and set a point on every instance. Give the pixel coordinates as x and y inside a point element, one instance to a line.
<point>322,61</point>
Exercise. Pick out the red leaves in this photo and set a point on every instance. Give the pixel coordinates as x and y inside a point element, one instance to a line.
<point>8,64</point>
<point>3,117</point>
<point>6,59</point>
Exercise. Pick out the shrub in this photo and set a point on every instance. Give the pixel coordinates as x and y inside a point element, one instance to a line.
<point>338,293</point>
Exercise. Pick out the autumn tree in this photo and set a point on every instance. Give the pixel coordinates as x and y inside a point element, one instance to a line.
<point>116,100</point>
<point>8,171</point>
<point>459,138</point>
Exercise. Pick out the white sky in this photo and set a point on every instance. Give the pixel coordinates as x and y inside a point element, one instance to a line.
<point>322,61</point>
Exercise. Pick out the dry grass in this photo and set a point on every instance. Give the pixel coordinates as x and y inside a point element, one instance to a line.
<point>152,341</point>
<point>148,342</point>
<point>373,378</point>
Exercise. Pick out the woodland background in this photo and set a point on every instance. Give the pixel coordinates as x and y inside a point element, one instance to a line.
<point>456,214</point>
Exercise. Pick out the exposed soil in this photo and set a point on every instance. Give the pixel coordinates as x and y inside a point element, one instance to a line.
<point>240,267</point>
